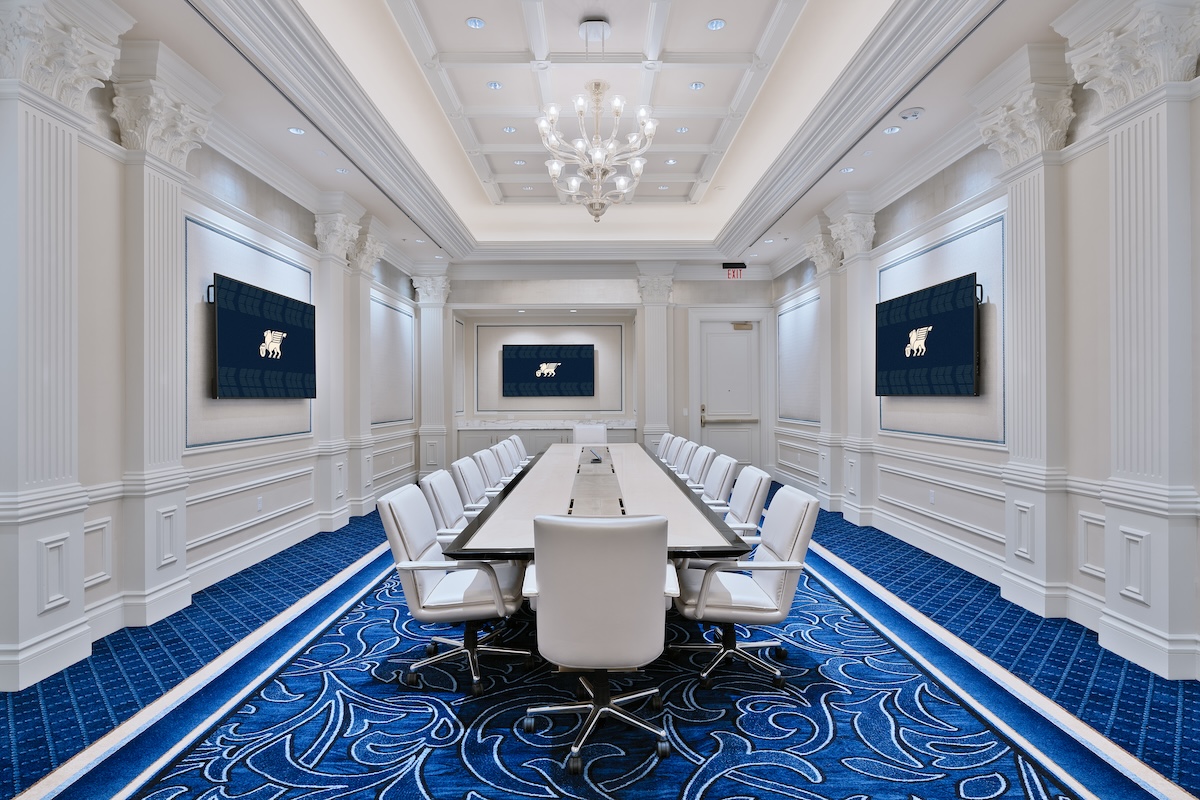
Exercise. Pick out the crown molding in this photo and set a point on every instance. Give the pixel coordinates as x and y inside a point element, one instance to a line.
<point>961,141</point>
<point>231,143</point>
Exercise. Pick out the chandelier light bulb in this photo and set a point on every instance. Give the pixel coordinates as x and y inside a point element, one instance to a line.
<point>551,112</point>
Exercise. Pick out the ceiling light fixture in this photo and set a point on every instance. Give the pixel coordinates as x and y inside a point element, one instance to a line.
<point>509,129</point>
<point>847,170</point>
<point>682,129</point>
<point>891,129</point>
<point>296,131</point>
<point>716,24</point>
<point>520,162</point>
<point>342,171</point>
<point>696,86</point>
<point>474,22</point>
<point>671,162</point>
<point>911,114</point>
<point>597,161</point>
<point>495,85</point>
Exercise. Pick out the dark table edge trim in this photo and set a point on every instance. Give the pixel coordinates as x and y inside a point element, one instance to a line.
<point>734,545</point>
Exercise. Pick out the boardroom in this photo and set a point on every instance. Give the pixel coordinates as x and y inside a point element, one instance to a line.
<point>930,264</point>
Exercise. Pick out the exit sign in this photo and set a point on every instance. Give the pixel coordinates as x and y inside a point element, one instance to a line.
<point>733,274</point>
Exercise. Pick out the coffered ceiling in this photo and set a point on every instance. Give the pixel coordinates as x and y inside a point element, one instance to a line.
<point>396,103</point>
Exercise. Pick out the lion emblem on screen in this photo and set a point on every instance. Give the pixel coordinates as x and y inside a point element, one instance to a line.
<point>270,347</point>
<point>546,370</point>
<point>916,341</point>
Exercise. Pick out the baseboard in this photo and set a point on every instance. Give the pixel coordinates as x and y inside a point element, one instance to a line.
<point>1043,599</point>
<point>217,567</point>
<point>146,608</point>
<point>43,656</point>
<point>1172,657</point>
<point>974,560</point>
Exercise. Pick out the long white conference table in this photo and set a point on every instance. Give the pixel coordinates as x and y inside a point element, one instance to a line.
<point>567,479</point>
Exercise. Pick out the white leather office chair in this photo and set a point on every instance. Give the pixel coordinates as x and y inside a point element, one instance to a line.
<point>684,457</point>
<point>718,481</point>
<point>746,502</point>
<point>489,465</point>
<point>722,594</point>
<point>514,454</point>
<point>607,616</point>
<point>523,456</point>
<point>475,493</point>
<point>697,468</point>
<point>507,465</point>
<point>590,433</point>
<point>437,590</point>
<point>672,451</point>
<point>449,514</point>
<point>663,444</point>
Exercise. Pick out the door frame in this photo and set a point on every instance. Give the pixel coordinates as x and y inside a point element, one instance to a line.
<point>764,318</point>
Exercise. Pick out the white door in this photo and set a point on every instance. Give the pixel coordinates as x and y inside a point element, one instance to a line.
<point>729,393</point>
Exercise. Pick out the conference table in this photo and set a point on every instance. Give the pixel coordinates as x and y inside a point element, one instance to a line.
<point>595,480</point>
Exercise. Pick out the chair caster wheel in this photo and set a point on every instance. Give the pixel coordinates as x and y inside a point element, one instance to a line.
<point>412,679</point>
<point>656,702</point>
<point>706,683</point>
<point>527,724</point>
<point>778,682</point>
<point>575,765</point>
<point>780,652</point>
<point>431,649</point>
<point>664,748</point>
<point>476,689</point>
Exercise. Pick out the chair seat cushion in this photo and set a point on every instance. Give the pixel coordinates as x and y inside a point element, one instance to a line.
<point>471,588</point>
<point>732,596</point>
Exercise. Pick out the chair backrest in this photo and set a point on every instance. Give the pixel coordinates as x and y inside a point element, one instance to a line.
<point>786,533</point>
<point>749,495</point>
<point>468,480</point>
<point>520,445</point>
<point>663,444</point>
<point>600,590</point>
<point>489,465</point>
<point>507,465</point>
<point>443,498</point>
<point>719,479</point>
<point>590,433</point>
<point>697,469</point>
<point>684,456</point>
<point>412,536</point>
<point>514,454</point>
<point>673,449</point>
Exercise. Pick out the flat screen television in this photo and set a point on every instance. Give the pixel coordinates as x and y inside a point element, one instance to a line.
<point>927,342</point>
<point>266,344</point>
<point>548,370</point>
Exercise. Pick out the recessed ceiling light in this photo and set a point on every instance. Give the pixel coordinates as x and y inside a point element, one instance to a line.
<point>341,171</point>
<point>322,153</point>
<point>754,255</point>
<point>520,162</point>
<point>439,257</point>
<point>520,311</point>
<point>681,129</point>
<point>419,241</point>
<point>716,24</point>
<point>573,311</point>
<point>912,113</point>
<point>475,22</point>
<point>891,129</point>
<point>527,188</point>
<point>495,85</point>
<point>696,86</point>
<point>509,129</point>
<point>847,170</point>
<point>664,187</point>
<point>768,241</point>
<point>671,162</point>
<point>868,153</point>
<point>296,131</point>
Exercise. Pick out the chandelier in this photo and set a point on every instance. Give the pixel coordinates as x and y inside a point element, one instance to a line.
<point>606,170</point>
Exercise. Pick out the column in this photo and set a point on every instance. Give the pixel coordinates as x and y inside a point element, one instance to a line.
<point>655,417</point>
<point>1138,57</point>
<point>432,293</point>
<point>853,234</point>
<point>823,251</point>
<point>51,55</point>
<point>162,106</point>
<point>1025,108</point>
<point>336,235</point>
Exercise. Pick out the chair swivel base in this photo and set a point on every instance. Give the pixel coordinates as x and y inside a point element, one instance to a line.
<point>601,704</point>
<point>471,646</point>
<point>729,647</point>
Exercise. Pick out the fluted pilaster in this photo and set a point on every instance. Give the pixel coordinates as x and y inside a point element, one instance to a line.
<point>655,291</point>
<point>432,293</point>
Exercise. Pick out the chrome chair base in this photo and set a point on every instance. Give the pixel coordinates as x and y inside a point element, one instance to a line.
<point>471,646</point>
<point>729,647</point>
<point>600,704</point>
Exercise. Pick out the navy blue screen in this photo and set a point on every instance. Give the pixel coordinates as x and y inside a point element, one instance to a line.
<point>266,344</point>
<point>926,343</point>
<point>548,370</point>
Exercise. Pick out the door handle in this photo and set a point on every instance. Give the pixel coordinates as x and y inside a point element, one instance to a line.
<point>703,421</point>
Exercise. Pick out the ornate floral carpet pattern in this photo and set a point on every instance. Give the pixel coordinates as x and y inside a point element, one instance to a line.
<point>857,720</point>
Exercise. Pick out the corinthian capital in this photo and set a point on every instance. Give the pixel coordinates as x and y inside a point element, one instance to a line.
<point>365,252</point>
<point>1034,122</point>
<point>1152,43</point>
<point>655,289</point>
<point>41,45</point>
<point>432,289</point>
<point>336,234</point>
<point>151,120</point>
<point>823,251</point>
<point>854,233</point>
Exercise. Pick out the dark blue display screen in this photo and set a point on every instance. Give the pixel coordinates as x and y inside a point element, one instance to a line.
<point>927,343</point>
<point>548,370</point>
<point>266,344</point>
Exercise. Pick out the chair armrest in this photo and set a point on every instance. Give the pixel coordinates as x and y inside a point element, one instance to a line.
<point>471,513</point>
<point>671,585</point>
<point>491,491</point>
<point>718,507</point>
<point>483,566</point>
<point>476,506</point>
<point>742,526</point>
<point>529,585</point>
<point>739,566</point>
